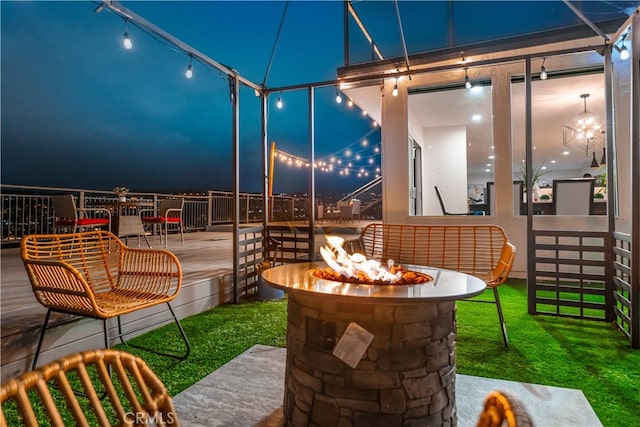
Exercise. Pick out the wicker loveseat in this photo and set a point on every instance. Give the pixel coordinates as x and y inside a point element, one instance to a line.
<point>480,250</point>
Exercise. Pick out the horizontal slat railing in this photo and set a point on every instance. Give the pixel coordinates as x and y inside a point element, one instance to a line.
<point>626,306</point>
<point>571,271</point>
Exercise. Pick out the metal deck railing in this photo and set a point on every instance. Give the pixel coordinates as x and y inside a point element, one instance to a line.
<point>28,209</point>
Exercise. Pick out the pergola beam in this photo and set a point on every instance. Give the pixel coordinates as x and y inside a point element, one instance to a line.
<point>141,22</point>
<point>586,20</point>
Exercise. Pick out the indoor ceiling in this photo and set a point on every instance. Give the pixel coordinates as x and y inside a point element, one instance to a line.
<point>555,101</point>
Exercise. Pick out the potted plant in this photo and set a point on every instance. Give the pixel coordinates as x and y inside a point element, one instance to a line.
<point>121,192</point>
<point>536,173</point>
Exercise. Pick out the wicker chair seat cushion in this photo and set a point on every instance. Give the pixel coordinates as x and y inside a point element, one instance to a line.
<point>83,222</point>
<point>162,219</point>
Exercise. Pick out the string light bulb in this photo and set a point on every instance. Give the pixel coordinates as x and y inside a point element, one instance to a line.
<point>279,103</point>
<point>126,40</point>
<point>189,73</point>
<point>395,88</point>
<point>624,53</point>
<point>467,82</point>
<point>338,97</point>
<point>543,71</point>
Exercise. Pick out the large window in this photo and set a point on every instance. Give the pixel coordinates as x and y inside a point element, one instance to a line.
<point>560,151</point>
<point>452,137</point>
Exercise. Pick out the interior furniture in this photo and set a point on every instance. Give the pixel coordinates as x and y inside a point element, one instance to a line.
<point>169,213</point>
<point>573,196</point>
<point>483,251</point>
<point>133,394</point>
<point>93,274</point>
<point>519,206</point>
<point>69,217</point>
<point>503,410</point>
<point>444,208</point>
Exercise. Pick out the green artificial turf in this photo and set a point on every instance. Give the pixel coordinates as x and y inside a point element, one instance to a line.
<point>588,355</point>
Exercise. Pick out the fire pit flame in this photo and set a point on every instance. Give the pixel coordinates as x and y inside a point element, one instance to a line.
<point>350,265</point>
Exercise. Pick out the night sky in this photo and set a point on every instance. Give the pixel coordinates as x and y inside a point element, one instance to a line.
<point>80,111</point>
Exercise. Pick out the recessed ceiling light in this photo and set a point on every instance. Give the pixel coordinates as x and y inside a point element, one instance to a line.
<point>492,156</point>
<point>488,164</point>
<point>552,161</point>
<point>565,153</point>
<point>487,170</point>
<point>476,117</point>
<point>543,167</point>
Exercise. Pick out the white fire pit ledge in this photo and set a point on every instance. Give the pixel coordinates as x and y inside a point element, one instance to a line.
<point>370,355</point>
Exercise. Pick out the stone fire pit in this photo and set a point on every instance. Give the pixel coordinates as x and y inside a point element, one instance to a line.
<point>370,355</point>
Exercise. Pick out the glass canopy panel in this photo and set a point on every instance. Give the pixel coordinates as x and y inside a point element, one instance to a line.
<point>434,25</point>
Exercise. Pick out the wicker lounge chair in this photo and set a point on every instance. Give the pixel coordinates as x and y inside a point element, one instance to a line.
<point>133,393</point>
<point>502,409</point>
<point>94,274</point>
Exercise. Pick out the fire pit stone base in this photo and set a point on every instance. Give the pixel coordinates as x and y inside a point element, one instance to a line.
<point>406,377</point>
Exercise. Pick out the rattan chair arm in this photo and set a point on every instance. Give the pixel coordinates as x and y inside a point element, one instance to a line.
<point>173,210</point>
<point>500,273</point>
<point>82,287</point>
<point>105,210</point>
<point>141,211</point>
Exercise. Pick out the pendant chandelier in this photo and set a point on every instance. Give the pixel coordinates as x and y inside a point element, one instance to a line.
<point>585,132</point>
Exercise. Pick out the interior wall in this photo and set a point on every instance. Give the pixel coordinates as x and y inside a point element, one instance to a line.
<point>444,160</point>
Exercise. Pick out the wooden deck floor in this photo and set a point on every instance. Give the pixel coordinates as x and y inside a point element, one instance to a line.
<point>207,263</point>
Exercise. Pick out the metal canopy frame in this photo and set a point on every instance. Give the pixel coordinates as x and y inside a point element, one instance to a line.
<point>443,59</point>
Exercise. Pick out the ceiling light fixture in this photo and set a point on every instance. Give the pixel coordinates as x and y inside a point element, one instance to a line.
<point>543,71</point>
<point>604,157</point>
<point>189,73</point>
<point>594,162</point>
<point>583,133</point>
<point>395,88</point>
<point>338,97</point>
<point>279,103</point>
<point>467,82</point>
<point>126,40</point>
